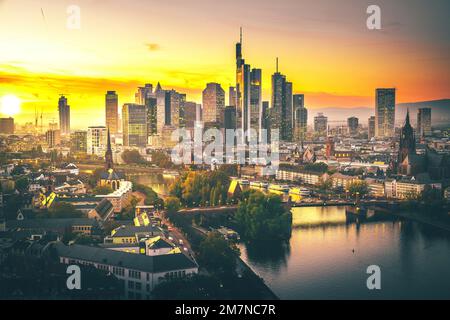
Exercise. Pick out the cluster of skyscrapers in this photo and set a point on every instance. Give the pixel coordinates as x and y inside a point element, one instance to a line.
<point>156,113</point>
<point>286,112</point>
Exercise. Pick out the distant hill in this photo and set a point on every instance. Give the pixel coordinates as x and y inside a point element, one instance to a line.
<point>341,114</point>
<point>440,112</point>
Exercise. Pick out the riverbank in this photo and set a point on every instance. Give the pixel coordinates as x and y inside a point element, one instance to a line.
<point>265,292</point>
<point>423,218</point>
<point>260,288</point>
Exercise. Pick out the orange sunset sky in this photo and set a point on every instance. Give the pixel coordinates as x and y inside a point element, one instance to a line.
<point>324,48</point>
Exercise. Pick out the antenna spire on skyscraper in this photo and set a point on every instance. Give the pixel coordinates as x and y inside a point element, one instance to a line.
<point>240,38</point>
<point>277,64</point>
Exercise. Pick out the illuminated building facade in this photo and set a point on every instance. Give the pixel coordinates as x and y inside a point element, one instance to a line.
<point>134,125</point>
<point>64,115</point>
<point>384,112</point>
<point>112,111</point>
<point>213,98</point>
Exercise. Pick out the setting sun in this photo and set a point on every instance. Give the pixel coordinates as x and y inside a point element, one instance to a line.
<point>10,105</point>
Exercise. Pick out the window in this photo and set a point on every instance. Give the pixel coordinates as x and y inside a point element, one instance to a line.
<point>119,271</point>
<point>138,286</point>
<point>130,284</point>
<point>134,274</point>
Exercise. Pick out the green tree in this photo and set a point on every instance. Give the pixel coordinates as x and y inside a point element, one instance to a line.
<point>431,200</point>
<point>151,197</point>
<point>132,156</point>
<point>261,217</point>
<point>22,184</point>
<point>172,205</point>
<point>162,160</point>
<point>316,167</point>
<point>102,190</point>
<point>199,287</point>
<point>64,210</point>
<point>95,177</point>
<point>176,188</point>
<point>201,187</point>
<point>231,170</point>
<point>18,170</point>
<point>217,254</point>
<point>358,189</point>
<point>324,186</point>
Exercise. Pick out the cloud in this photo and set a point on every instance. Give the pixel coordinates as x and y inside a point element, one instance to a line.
<point>152,46</point>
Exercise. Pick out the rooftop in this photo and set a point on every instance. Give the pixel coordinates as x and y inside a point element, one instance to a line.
<point>131,231</point>
<point>151,264</point>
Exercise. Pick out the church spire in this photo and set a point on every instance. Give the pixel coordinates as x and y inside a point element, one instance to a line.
<point>108,143</point>
<point>108,154</point>
<point>407,117</point>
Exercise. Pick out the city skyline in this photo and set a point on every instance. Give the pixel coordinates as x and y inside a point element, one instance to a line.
<point>332,62</point>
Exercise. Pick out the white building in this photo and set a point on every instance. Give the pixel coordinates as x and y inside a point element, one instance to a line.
<point>403,189</point>
<point>311,178</point>
<point>97,140</point>
<point>140,274</point>
<point>376,187</point>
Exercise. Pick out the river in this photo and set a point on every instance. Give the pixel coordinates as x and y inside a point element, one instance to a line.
<point>159,182</point>
<point>328,254</point>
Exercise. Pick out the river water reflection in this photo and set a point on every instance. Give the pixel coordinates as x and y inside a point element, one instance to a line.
<point>328,253</point>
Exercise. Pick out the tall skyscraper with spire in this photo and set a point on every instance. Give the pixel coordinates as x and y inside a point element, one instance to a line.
<point>281,114</point>
<point>242,89</point>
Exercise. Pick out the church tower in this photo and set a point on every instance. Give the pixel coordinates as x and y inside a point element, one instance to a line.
<point>108,154</point>
<point>407,144</point>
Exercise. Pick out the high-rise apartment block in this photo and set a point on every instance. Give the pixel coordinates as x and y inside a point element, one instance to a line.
<point>300,117</point>
<point>385,112</point>
<point>64,115</point>
<point>255,99</point>
<point>96,140</point>
<point>213,100</point>
<point>424,122</point>
<point>320,123</point>
<point>78,141</point>
<point>371,127</point>
<point>352,124</point>
<point>281,109</point>
<point>112,111</point>
<point>53,138</point>
<point>134,125</point>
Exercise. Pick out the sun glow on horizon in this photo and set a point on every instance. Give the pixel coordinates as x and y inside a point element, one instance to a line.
<point>10,105</point>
